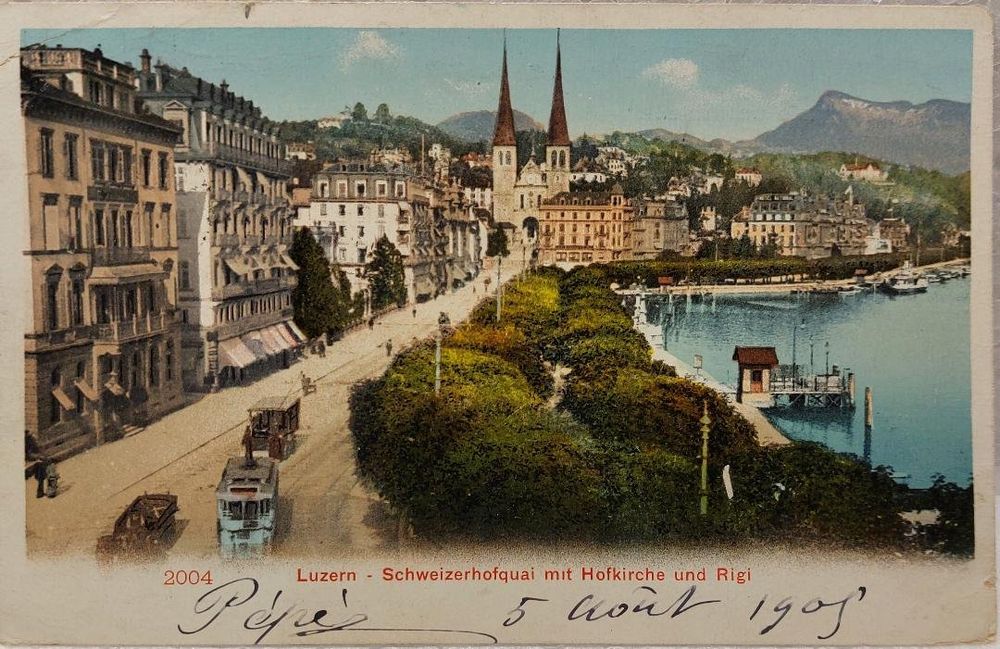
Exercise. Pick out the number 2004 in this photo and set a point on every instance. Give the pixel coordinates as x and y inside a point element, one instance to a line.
<point>186,577</point>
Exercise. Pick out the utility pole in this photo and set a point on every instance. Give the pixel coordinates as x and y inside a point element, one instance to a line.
<point>443,322</point>
<point>499,286</point>
<point>705,421</point>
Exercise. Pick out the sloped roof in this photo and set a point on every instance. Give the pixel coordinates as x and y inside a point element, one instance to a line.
<point>558,130</point>
<point>755,356</point>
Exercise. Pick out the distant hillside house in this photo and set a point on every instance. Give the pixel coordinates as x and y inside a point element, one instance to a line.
<point>335,121</point>
<point>749,175</point>
<point>708,218</point>
<point>474,160</point>
<point>390,157</point>
<point>896,231</point>
<point>300,151</point>
<point>586,170</point>
<point>868,171</point>
<point>803,225</point>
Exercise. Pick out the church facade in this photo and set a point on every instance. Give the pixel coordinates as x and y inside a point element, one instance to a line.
<point>518,194</point>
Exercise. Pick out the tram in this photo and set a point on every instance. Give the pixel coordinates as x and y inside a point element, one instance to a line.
<point>247,506</point>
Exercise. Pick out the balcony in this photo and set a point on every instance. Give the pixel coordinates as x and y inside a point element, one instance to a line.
<point>239,156</point>
<point>112,193</point>
<point>227,240</point>
<point>126,330</point>
<point>251,323</point>
<point>119,256</point>
<point>257,287</point>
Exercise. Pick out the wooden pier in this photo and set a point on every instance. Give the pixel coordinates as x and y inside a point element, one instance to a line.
<point>833,390</point>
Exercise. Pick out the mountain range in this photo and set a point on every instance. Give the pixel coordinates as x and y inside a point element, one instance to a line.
<point>934,135</point>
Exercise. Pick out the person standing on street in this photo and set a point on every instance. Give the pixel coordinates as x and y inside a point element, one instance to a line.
<point>32,453</point>
<point>388,347</point>
<point>414,313</point>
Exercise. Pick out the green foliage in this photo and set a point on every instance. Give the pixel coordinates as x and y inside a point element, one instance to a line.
<point>954,530</point>
<point>322,300</point>
<point>619,460</point>
<point>382,115</point>
<point>385,275</point>
<point>360,113</point>
<point>496,243</point>
<point>805,491</point>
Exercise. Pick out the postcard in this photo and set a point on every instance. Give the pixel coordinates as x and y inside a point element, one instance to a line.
<point>461,324</point>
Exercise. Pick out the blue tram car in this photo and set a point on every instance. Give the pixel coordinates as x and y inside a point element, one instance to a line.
<point>247,499</point>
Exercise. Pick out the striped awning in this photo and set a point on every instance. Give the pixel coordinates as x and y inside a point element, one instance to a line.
<point>233,353</point>
<point>287,336</point>
<point>85,388</point>
<point>296,331</point>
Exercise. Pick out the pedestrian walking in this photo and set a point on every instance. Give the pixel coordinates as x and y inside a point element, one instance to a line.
<point>388,347</point>
<point>371,323</point>
<point>414,312</point>
<point>473,289</point>
<point>51,479</point>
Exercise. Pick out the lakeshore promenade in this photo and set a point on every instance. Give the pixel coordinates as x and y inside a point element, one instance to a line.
<point>778,284</point>
<point>767,433</point>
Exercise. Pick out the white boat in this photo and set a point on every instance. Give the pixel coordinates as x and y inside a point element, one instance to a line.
<point>905,281</point>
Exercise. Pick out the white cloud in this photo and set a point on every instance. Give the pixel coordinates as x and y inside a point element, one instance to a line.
<point>467,88</point>
<point>371,46</point>
<point>680,73</point>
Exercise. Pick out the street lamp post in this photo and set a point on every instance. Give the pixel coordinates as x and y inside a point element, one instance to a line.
<point>443,322</point>
<point>705,421</point>
<point>795,331</point>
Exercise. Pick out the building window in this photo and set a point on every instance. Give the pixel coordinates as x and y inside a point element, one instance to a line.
<point>342,210</point>
<point>46,161</point>
<point>380,188</point>
<point>361,255</point>
<point>147,162</point>
<point>359,188</point>
<point>52,301</point>
<point>322,209</point>
<point>55,411</point>
<point>164,177</point>
<point>77,302</point>
<point>324,190</point>
<point>341,189</point>
<point>400,189</point>
<point>99,227</point>
<point>76,224</point>
<point>361,210</point>
<point>97,160</point>
<point>184,274</point>
<point>126,172</point>
<point>72,158</point>
<point>361,231</point>
<point>154,365</point>
<point>170,360</point>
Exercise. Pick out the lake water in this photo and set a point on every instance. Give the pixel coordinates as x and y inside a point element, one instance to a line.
<point>912,350</point>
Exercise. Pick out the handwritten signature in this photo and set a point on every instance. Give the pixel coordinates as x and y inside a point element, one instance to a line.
<point>304,622</point>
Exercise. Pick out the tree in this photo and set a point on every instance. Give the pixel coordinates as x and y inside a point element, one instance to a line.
<point>385,275</point>
<point>315,300</point>
<point>496,246</point>
<point>360,113</point>
<point>382,115</point>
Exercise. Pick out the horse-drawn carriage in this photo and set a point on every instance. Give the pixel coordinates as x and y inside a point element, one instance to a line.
<point>142,530</point>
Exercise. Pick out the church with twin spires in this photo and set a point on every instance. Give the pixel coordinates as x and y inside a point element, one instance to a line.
<point>518,194</point>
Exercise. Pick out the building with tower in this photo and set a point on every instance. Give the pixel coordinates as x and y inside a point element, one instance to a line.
<point>519,194</point>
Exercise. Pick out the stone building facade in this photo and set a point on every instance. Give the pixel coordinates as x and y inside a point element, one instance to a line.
<point>355,203</point>
<point>235,225</point>
<point>804,225</point>
<point>658,227</point>
<point>102,348</point>
<point>585,227</point>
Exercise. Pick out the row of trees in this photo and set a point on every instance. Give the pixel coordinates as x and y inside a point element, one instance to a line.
<point>616,459</point>
<point>322,300</point>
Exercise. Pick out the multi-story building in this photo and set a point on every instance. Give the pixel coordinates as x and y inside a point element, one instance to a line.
<point>657,227</point>
<point>300,151</point>
<point>585,227</point>
<point>357,203</point>
<point>897,232</point>
<point>803,225</point>
<point>709,219</point>
<point>234,229</point>
<point>102,347</point>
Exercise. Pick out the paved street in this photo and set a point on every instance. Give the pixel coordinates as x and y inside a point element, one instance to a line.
<point>325,509</point>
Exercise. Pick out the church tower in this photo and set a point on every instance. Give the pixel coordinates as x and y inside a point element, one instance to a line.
<point>504,152</point>
<point>557,147</point>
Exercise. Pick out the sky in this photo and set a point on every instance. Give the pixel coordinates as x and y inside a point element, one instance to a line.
<point>734,84</point>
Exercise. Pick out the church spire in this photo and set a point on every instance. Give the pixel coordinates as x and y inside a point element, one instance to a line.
<point>558,131</point>
<point>503,135</point>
